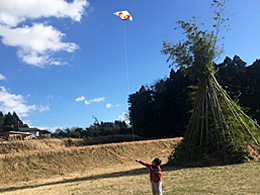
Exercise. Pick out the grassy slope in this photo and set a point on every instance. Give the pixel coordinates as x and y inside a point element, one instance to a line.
<point>111,170</point>
<point>48,158</point>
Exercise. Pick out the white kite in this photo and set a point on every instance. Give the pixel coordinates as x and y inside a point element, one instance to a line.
<point>124,15</point>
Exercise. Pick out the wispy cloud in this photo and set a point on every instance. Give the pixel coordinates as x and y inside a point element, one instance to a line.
<point>108,105</point>
<point>12,102</point>
<point>100,99</point>
<point>37,43</point>
<point>43,108</point>
<point>2,77</point>
<point>87,102</point>
<point>79,99</point>
<point>50,97</point>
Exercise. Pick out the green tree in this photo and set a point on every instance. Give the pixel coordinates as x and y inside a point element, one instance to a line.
<point>144,113</point>
<point>16,122</point>
<point>10,122</point>
<point>2,119</point>
<point>242,82</point>
<point>161,110</point>
<point>171,98</point>
<point>218,127</point>
<point>8,125</point>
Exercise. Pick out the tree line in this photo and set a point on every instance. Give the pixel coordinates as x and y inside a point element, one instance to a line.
<point>163,109</point>
<point>10,122</point>
<point>95,130</point>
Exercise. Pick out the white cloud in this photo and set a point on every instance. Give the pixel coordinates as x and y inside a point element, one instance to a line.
<point>108,105</point>
<point>87,102</point>
<point>43,108</point>
<point>36,44</point>
<point>13,12</point>
<point>2,77</point>
<point>100,99</point>
<point>95,100</point>
<point>79,99</point>
<point>11,102</point>
<point>28,122</point>
<point>124,117</point>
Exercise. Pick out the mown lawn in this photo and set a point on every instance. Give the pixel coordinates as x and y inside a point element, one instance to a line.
<point>133,179</point>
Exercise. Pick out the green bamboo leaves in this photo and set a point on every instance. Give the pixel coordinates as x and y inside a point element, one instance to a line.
<point>218,130</point>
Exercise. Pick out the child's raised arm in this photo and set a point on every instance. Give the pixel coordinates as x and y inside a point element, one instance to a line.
<point>143,163</point>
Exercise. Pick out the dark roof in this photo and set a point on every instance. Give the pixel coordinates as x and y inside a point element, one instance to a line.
<point>45,132</point>
<point>29,129</point>
<point>34,130</point>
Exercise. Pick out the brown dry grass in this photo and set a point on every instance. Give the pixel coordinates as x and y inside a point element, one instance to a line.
<point>48,158</point>
<point>253,151</point>
<point>109,169</point>
<point>132,179</point>
<point>25,146</point>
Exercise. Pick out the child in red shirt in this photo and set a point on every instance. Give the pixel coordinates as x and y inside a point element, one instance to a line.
<point>155,175</point>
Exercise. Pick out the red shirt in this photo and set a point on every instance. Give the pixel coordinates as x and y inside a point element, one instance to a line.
<point>155,172</point>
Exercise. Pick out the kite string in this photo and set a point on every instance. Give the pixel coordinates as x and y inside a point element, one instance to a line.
<point>127,72</point>
<point>126,60</point>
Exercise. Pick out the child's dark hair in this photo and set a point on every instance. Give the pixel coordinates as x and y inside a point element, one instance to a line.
<point>157,161</point>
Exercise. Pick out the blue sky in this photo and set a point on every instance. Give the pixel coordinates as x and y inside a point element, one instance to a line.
<point>63,61</point>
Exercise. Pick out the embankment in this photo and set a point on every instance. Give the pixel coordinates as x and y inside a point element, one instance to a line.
<point>24,161</point>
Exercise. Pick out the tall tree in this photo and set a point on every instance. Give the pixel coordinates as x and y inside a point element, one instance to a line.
<point>242,82</point>
<point>161,110</point>
<point>143,113</point>
<point>10,122</point>
<point>8,126</point>
<point>2,119</point>
<point>218,128</point>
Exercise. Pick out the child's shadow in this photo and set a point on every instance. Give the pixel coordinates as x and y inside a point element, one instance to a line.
<point>133,172</point>
<point>138,171</point>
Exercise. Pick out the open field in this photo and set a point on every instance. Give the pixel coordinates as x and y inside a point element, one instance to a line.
<point>132,179</point>
<point>110,170</point>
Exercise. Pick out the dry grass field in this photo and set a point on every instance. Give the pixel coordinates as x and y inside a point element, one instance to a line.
<point>27,160</point>
<point>110,170</point>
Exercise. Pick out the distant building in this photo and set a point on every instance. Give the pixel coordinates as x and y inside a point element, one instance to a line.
<point>16,135</point>
<point>45,134</point>
<point>25,134</point>
<point>36,133</point>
